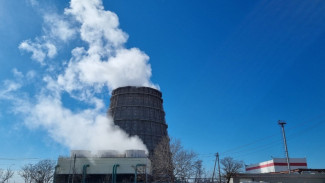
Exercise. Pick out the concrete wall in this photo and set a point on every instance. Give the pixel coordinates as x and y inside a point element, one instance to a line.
<point>101,165</point>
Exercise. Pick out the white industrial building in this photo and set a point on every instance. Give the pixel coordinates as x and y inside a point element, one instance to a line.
<point>277,165</point>
<point>297,176</point>
<point>103,166</point>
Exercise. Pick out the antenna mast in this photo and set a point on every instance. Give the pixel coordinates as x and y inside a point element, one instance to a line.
<point>282,123</point>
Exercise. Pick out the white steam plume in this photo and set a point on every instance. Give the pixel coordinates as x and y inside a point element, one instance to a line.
<point>86,129</point>
<point>104,63</point>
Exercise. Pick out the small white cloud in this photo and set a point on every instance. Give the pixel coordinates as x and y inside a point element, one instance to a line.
<point>17,73</point>
<point>58,27</point>
<point>51,50</point>
<point>30,74</point>
<point>8,87</point>
<point>11,86</point>
<point>33,2</point>
<point>39,50</point>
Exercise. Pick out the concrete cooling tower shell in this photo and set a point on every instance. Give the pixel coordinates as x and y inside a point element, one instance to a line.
<point>139,111</point>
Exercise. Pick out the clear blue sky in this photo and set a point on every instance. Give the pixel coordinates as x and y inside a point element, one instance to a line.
<point>228,70</point>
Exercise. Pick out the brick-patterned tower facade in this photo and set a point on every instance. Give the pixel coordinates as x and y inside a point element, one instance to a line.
<point>139,111</point>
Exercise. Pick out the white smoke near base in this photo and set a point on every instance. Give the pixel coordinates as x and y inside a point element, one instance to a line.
<point>104,63</point>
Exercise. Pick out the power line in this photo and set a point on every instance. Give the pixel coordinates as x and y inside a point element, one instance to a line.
<point>19,159</point>
<point>273,135</point>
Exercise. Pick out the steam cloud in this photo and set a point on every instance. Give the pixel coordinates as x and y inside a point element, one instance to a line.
<point>101,62</point>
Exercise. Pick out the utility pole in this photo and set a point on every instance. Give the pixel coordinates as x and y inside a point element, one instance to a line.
<point>74,167</point>
<point>219,168</point>
<point>282,123</point>
<point>214,169</point>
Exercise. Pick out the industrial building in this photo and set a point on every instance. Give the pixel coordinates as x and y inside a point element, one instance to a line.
<point>276,170</point>
<point>277,165</point>
<point>138,111</point>
<point>103,166</point>
<point>296,176</point>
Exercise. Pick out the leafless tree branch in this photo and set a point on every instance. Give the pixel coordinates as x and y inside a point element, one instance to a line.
<point>5,175</point>
<point>41,172</point>
<point>230,167</point>
<point>172,162</point>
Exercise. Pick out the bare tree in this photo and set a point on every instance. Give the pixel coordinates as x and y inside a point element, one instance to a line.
<point>184,161</point>
<point>162,165</point>
<point>199,171</point>
<point>5,175</point>
<point>230,167</point>
<point>41,172</point>
<point>26,173</point>
<point>171,161</point>
<point>205,176</point>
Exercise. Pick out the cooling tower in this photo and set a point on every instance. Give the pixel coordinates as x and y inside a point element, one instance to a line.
<point>139,111</point>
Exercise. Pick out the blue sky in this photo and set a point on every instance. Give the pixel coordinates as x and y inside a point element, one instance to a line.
<point>228,71</point>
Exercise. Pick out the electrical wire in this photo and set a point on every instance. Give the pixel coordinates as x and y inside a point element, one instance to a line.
<point>236,149</point>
